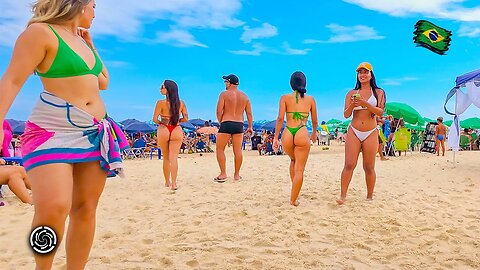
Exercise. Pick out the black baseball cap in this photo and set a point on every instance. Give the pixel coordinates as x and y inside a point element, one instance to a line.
<point>233,79</point>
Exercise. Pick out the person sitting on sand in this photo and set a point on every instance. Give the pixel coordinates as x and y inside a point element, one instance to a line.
<point>15,177</point>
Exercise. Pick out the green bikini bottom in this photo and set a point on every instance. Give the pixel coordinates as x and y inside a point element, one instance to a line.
<point>294,130</point>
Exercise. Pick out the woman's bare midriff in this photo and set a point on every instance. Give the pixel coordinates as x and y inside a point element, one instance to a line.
<point>81,91</point>
<point>363,121</point>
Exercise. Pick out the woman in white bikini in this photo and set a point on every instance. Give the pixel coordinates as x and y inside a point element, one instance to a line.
<point>365,102</point>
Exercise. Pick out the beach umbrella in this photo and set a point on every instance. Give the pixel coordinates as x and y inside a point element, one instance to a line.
<point>414,127</point>
<point>256,124</point>
<point>333,121</point>
<point>402,110</point>
<point>187,125</point>
<point>126,122</point>
<point>208,130</point>
<point>448,123</point>
<point>345,124</point>
<point>428,120</point>
<point>473,122</point>
<point>18,126</point>
<point>139,127</point>
<point>271,125</point>
<point>197,122</point>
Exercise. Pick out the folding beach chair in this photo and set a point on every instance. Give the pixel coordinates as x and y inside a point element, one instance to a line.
<point>465,142</point>
<point>402,138</point>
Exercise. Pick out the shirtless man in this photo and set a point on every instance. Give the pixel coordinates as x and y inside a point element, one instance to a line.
<point>232,103</point>
<point>16,179</point>
<point>440,134</point>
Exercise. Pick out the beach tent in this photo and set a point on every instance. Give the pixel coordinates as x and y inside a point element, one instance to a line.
<point>470,82</point>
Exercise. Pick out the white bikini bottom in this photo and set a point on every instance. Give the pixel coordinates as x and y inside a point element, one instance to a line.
<point>362,135</point>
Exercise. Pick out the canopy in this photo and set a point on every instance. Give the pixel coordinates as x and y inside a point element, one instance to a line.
<point>402,110</point>
<point>271,125</point>
<point>197,122</point>
<point>134,127</point>
<point>471,81</point>
<point>187,125</point>
<point>473,122</point>
<point>333,121</point>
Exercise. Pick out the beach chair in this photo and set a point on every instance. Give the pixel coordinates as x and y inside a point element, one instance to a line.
<point>402,139</point>
<point>156,149</point>
<point>136,151</point>
<point>465,142</point>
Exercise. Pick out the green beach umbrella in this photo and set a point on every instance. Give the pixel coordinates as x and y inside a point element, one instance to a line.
<point>333,121</point>
<point>473,122</point>
<point>448,123</point>
<point>346,123</point>
<point>414,127</point>
<point>402,110</point>
<point>426,119</point>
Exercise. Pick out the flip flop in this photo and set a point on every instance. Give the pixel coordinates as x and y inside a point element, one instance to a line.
<point>220,180</point>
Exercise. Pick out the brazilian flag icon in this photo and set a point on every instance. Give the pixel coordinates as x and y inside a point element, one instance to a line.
<point>432,37</point>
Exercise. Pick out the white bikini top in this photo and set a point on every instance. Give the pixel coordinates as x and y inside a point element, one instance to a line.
<point>372,101</point>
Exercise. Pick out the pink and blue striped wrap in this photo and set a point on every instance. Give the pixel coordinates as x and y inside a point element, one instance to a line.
<point>58,132</point>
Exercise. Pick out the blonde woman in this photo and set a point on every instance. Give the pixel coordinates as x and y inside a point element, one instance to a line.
<point>70,144</point>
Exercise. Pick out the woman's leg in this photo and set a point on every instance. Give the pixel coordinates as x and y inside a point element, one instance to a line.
<point>175,143</point>
<point>301,151</point>
<point>16,179</point>
<point>88,183</point>
<point>352,150</point>
<point>163,137</point>
<point>52,197</point>
<point>369,148</point>
<point>288,147</point>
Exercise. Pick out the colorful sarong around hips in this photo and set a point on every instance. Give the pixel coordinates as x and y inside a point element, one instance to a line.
<point>58,132</point>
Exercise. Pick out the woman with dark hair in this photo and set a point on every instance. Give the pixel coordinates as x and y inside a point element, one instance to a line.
<point>366,101</point>
<point>169,133</point>
<point>296,141</point>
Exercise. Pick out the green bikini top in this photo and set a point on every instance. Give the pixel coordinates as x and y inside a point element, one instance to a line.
<point>68,63</point>
<point>299,115</point>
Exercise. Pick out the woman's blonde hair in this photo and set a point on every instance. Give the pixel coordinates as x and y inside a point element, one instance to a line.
<point>56,11</point>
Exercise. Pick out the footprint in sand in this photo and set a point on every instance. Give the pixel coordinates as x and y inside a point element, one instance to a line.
<point>193,263</point>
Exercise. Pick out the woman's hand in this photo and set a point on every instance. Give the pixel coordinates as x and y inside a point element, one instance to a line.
<point>276,145</point>
<point>314,136</point>
<point>85,34</point>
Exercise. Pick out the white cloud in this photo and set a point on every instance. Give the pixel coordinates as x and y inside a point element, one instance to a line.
<point>257,50</point>
<point>341,34</point>
<point>469,31</point>
<point>265,31</point>
<point>125,20</point>
<point>398,81</point>
<point>179,38</point>
<point>444,9</point>
<point>291,51</point>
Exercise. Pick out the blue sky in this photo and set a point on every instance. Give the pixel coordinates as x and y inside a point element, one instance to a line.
<point>195,42</point>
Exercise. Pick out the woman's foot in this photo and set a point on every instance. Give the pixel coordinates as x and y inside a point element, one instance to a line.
<point>174,187</point>
<point>295,203</point>
<point>167,184</point>
<point>383,158</point>
<point>220,178</point>
<point>341,201</point>
<point>237,177</point>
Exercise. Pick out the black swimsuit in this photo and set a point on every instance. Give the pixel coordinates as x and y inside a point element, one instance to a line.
<point>231,127</point>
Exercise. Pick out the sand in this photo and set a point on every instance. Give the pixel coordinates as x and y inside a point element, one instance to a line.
<point>425,215</point>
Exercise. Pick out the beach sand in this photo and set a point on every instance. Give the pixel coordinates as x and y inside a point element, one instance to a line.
<point>425,215</point>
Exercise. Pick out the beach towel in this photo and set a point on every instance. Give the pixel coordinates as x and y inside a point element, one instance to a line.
<point>58,132</point>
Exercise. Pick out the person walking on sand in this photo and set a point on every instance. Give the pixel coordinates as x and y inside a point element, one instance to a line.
<point>70,144</point>
<point>366,101</point>
<point>440,135</point>
<point>231,106</point>
<point>169,133</point>
<point>296,106</point>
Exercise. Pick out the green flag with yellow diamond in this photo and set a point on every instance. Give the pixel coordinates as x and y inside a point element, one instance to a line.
<point>432,37</point>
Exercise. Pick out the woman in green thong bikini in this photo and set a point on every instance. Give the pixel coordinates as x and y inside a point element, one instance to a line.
<point>295,139</point>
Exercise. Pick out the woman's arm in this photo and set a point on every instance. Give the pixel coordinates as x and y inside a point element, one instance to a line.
<point>156,113</point>
<point>103,77</point>
<point>29,51</point>
<point>280,118</point>
<point>349,105</point>
<point>184,113</point>
<point>314,119</point>
<point>381,104</point>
